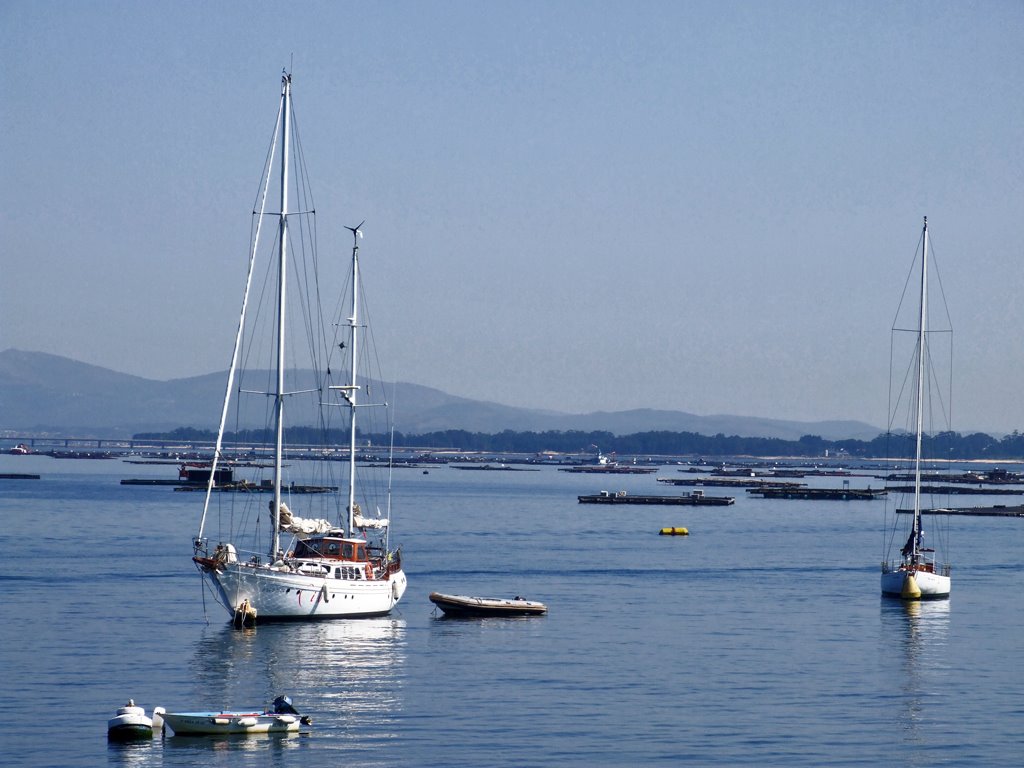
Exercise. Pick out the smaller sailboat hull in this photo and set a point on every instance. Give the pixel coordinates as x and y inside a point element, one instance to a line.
<point>925,585</point>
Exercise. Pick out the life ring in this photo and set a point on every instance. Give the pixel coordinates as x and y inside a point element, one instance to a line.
<point>369,571</point>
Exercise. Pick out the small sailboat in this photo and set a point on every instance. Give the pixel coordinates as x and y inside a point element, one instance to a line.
<point>916,574</point>
<point>301,555</point>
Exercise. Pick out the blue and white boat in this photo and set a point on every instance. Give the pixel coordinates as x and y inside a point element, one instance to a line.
<point>282,718</point>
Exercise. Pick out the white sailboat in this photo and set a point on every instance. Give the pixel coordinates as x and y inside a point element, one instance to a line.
<point>335,562</point>
<point>916,574</point>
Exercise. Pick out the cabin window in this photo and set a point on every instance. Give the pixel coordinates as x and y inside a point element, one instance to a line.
<point>333,548</point>
<point>347,551</point>
<point>337,573</point>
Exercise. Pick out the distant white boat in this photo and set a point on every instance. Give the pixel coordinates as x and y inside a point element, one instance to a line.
<point>336,561</point>
<point>916,574</point>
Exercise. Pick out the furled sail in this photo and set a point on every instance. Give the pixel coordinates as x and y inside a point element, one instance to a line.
<point>359,521</point>
<point>298,525</point>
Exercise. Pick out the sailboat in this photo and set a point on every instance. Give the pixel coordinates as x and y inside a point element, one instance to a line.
<point>916,575</point>
<point>300,556</point>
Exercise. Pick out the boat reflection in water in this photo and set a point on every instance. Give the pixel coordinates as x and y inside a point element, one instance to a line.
<point>920,629</point>
<point>345,674</point>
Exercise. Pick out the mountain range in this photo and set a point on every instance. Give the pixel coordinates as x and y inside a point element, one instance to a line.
<point>47,394</point>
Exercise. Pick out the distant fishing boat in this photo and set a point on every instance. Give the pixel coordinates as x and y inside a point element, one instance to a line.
<point>338,562</point>
<point>916,574</point>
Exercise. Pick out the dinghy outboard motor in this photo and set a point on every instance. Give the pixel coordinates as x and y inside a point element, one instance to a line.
<point>283,706</point>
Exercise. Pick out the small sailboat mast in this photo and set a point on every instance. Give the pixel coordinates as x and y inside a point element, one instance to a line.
<point>922,328</point>
<point>282,271</point>
<point>353,387</point>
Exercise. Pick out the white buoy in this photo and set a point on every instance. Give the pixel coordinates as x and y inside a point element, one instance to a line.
<point>129,724</point>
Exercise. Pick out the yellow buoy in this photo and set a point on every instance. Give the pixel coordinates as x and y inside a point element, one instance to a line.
<point>245,615</point>
<point>673,532</point>
<point>910,589</point>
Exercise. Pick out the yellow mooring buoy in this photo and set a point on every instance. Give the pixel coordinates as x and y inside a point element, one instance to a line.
<point>673,532</point>
<point>910,589</point>
<point>245,615</point>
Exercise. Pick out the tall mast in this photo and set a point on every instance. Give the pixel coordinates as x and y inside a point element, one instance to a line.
<point>282,270</point>
<point>353,386</point>
<point>921,330</point>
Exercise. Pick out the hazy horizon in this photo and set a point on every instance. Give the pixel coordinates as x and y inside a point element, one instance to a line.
<point>574,206</point>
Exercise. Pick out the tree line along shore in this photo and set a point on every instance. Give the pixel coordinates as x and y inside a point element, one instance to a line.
<point>952,446</point>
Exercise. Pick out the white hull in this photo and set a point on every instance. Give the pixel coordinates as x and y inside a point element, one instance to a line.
<point>281,595</point>
<point>227,723</point>
<point>930,585</point>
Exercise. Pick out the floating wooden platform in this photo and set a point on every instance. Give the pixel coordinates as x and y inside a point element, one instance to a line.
<point>818,494</point>
<point>959,490</point>
<point>259,488</point>
<point>729,482</point>
<point>152,481</point>
<point>695,499</point>
<point>998,510</point>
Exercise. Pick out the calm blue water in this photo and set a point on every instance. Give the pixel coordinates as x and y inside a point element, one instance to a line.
<point>760,639</point>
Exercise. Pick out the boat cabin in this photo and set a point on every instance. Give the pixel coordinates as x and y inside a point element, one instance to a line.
<point>331,548</point>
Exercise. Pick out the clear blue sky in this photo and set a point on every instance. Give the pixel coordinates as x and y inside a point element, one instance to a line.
<point>699,206</point>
